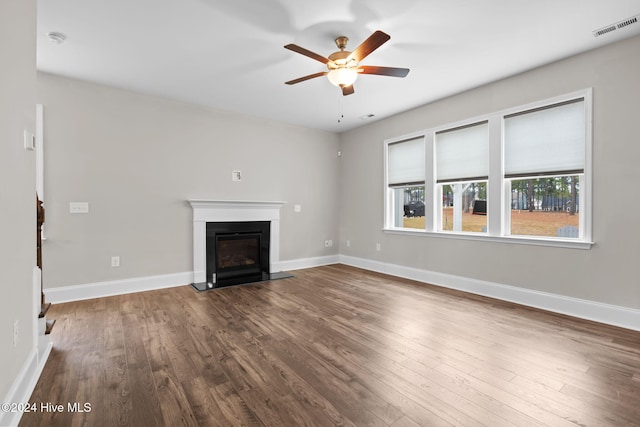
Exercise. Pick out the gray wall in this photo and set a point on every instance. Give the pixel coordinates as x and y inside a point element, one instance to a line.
<point>17,186</point>
<point>136,159</point>
<point>606,273</point>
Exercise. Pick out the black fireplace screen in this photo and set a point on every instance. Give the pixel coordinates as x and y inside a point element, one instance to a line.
<point>237,252</point>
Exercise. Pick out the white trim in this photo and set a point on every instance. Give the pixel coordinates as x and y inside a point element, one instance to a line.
<point>298,264</point>
<point>604,313</point>
<point>519,240</point>
<point>584,309</point>
<point>150,283</point>
<point>40,160</point>
<point>232,210</point>
<point>586,205</point>
<point>24,384</point>
<point>117,287</point>
<point>234,204</point>
<point>40,151</point>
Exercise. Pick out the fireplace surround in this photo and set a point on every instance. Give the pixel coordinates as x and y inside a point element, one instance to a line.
<point>212,211</point>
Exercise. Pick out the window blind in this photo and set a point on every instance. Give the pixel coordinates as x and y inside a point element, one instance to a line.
<point>405,162</point>
<point>462,154</point>
<point>545,142</point>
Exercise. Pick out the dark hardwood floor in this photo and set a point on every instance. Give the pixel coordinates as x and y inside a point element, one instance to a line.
<point>334,345</point>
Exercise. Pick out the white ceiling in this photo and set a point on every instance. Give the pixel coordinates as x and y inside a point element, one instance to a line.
<point>229,54</point>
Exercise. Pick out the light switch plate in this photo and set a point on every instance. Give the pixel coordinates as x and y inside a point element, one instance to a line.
<point>78,207</point>
<point>29,141</point>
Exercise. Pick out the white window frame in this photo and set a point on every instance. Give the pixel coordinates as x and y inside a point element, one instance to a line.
<point>498,188</point>
<point>389,196</point>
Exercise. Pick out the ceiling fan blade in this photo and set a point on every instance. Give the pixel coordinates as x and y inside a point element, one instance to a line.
<point>374,41</point>
<point>307,52</point>
<point>310,76</point>
<point>383,71</point>
<point>347,90</point>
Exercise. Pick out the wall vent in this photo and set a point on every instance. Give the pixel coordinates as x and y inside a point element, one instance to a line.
<point>627,22</point>
<point>615,26</point>
<point>604,31</point>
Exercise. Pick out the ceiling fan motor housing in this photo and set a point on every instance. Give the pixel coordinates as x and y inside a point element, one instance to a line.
<point>341,59</point>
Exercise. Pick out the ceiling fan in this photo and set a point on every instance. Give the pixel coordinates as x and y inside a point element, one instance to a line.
<point>344,66</point>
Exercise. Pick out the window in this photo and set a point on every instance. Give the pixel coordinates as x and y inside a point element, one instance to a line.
<point>464,207</point>
<point>548,207</point>
<point>410,207</point>
<point>521,175</point>
<point>405,180</point>
<point>544,156</point>
<point>462,169</point>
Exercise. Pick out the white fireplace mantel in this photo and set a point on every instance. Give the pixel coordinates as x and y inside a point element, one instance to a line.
<point>231,210</point>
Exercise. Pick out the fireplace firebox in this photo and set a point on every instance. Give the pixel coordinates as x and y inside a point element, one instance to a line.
<point>237,252</point>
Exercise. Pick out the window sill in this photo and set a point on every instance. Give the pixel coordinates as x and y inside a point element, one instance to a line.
<point>519,240</point>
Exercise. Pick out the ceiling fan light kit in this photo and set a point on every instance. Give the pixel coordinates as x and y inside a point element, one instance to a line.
<point>342,76</point>
<point>344,66</point>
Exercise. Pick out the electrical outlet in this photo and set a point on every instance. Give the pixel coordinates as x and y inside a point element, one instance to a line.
<point>326,243</point>
<point>378,247</point>
<point>16,333</point>
<point>348,243</point>
<point>115,261</point>
<point>297,208</point>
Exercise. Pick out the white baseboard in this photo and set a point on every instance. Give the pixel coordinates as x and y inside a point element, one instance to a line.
<point>604,313</point>
<point>117,287</point>
<point>149,283</point>
<point>297,264</point>
<point>140,284</point>
<point>24,384</point>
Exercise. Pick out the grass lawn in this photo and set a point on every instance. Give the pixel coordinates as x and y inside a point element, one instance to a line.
<point>536,223</point>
